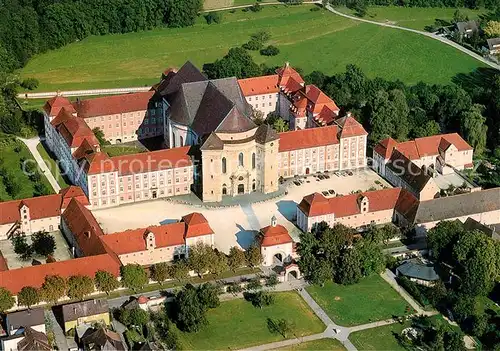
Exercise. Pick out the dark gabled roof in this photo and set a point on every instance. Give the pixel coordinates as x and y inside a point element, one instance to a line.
<point>186,74</point>
<point>265,133</point>
<point>468,25</point>
<point>458,205</point>
<point>213,142</point>
<point>418,271</point>
<point>34,340</point>
<point>73,311</point>
<point>98,338</point>
<point>471,224</point>
<point>409,172</point>
<point>25,318</point>
<point>235,122</point>
<point>493,43</point>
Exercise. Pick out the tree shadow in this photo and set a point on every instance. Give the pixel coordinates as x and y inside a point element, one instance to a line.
<point>480,78</point>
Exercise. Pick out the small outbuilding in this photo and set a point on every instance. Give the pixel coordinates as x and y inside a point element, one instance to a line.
<point>418,272</point>
<point>276,244</point>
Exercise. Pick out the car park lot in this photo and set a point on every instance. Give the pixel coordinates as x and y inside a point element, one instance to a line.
<point>237,225</point>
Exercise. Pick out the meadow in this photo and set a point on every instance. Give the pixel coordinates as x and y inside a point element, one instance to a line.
<point>413,17</point>
<point>311,40</point>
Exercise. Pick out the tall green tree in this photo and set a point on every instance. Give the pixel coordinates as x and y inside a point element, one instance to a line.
<point>236,258</point>
<point>200,258</point>
<point>28,296</point>
<point>105,281</point>
<point>190,312</point>
<point>133,276</point>
<point>80,286</point>
<point>182,13</point>
<point>6,300</point>
<point>160,272</point>
<point>53,288</point>
<point>474,128</point>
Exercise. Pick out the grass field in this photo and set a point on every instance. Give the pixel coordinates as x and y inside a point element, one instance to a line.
<point>372,299</point>
<point>311,40</point>
<point>317,345</point>
<point>413,17</point>
<point>11,160</point>
<point>118,150</point>
<point>53,166</point>
<point>238,324</point>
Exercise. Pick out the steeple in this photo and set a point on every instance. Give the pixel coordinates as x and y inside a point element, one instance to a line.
<point>273,221</point>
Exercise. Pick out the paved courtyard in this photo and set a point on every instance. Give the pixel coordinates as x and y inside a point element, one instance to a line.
<point>62,252</point>
<point>236,225</point>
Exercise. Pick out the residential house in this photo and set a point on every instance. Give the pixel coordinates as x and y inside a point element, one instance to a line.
<point>357,210</point>
<point>101,339</point>
<point>85,312</point>
<point>493,45</point>
<point>28,339</point>
<point>467,28</point>
<point>23,327</point>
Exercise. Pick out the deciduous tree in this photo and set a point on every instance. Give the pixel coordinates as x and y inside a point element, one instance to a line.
<point>6,300</point>
<point>53,288</point>
<point>43,243</point>
<point>236,258</point>
<point>253,255</point>
<point>160,272</point>
<point>28,296</point>
<point>133,276</point>
<point>80,286</point>
<point>105,281</point>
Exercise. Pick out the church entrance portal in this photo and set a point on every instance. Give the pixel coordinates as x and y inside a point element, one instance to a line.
<point>307,170</point>
<point>241,189</point>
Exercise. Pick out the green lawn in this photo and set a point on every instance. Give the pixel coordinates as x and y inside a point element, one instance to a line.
<point>11,160</point>
<point>238,324</point>
<point>50,160</point>
<point>118,150</point>
<point>380,338</point>
<point>413,17</point>
<point>317,345</point>
<point>372,299</point>
<point>311,40</point>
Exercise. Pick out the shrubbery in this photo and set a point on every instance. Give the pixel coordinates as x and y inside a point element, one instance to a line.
<point>270,50</point>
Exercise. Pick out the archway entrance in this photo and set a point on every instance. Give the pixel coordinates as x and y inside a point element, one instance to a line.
<point>307,170</point>
<point>292,275</point>
<point>278,258</point>
<point>154,195</point>
<point>241,188</point>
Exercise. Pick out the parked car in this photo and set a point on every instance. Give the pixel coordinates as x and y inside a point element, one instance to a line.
<point>325,193</point>
<point>331,191</point>
<point>326,176</point>
<point>350,173</point>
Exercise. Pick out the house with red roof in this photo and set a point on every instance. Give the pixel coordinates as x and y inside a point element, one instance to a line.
<point>357,210</point>
<point>276,244</point>
<point>36,214</point>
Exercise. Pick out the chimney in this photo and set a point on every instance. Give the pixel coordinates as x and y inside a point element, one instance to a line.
<point>287,64</point>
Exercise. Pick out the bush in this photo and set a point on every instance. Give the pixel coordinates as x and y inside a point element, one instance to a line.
<point>30,83</point>
<point>254,284</point>
<point>256,7</point>
<point>414,290</point>
<point>253,45</point>
<point>315,9</point>
<point>213,17</point>
<point>270,50</point>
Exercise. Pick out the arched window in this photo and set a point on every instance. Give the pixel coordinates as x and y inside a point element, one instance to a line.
<point>224,189</point>
<point>181,141</point>
<point>253,185</point>
<point>253,160</point>
<point>240,159</point>
<point>224,169</point>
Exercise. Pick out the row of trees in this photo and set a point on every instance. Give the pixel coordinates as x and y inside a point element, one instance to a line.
<point>472,260</point>
<point>338,253</point>
<point>418,3</point>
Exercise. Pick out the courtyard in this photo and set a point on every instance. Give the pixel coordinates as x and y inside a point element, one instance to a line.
<point>62,252</point>
<point>237,225</point>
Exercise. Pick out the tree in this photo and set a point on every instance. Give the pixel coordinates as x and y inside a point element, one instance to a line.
<point>428,129</point>
<point>441,239</point>
<point>371,257</point>
<point>80,286</point>
<point>238,63</point>
<point>30,83</point>
<point>160,272</point>
<point>6,300</point>
<point>492,29</point>
<point>349,269</point>
<point>208,295</point>
<point>280,125</point>
<point>253,256</point>
<point>133,276</point>
<point>458,16</point>
<point>260,298</point>
<point>213,17</point>
<point>272,280</point>
<point>99,134</point>
<point>182,13</point>
<point>200,256</point>
<point>474,128</point>
<point>43,243</point>
<point>236,258</point>
<point>28,296</point>
<point>138,317</point>
<point>105,281</point>
<point>270,50</point>
<point>179,270</point>
<point>217,263</point>
<point>53,288</point>
<point>189,310</point>
<point>21,246</point>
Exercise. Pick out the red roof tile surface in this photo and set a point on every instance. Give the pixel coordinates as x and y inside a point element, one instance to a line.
<point>110,105</point>
<point>349,127</point>
<point>73,192</point>
<point>384,147</point>
<point>306,138</point>
<point>39,207</point>
<point>196,225</point>
<point>55,104</point>
<point>274,235</point>
<point>259,85</point>
<point>74,130</point>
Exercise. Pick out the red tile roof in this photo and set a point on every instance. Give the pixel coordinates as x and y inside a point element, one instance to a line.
<point>409,149</point>
<point>343,206</point>
<point>110,105</point>
<point>15,279</point>
<point>83,150</point>
<point>326,116</point>
<point>63,115</point>
<point>350,127</point>
<point>384,147</point>
<point>287,73</point>
<point>74,130</point>
<point>196,225</point>
<point>3,263</point>
<point>39,207</point>
<point>275,235</point>
<point>307,138</point>
<point>319,99</point>
<point>73,192</point>
<point>129,241</point>
<point>54,105</point>
<point>259,85</point>
<point>139,163</point>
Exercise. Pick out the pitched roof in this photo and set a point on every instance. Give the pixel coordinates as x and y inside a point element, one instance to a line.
<point>33,340</point>
<point>39,207</point>
<point>25,318</point>
<point>196,225</point>
<point>74,130</point>
<point>319,99</point>
<point>235,122</point>
<point>73,311</point>
<point>259,85</point>
<point>286,74</point>
<point>418,271</point>
<point>73,192</point>
<point>110,105</point>
<point>265,133</point>
<point>408,171</point>
<point>55,104</point>
<point>141,162</point>
<point>493,43</point>
<point>100,337</point>
<point>187,73</point>
<point>275,235</point>
<point>384,147</point>
<point>307,138</point>
<point>471,224</point>
<point>461,205</point>
<point>348,205</point>
<point>349,127</point>
<point>15,279</point>
<point>212,142</point>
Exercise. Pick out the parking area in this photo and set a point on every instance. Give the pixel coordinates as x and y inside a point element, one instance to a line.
<point>62,252</point>
<point>237,225</point>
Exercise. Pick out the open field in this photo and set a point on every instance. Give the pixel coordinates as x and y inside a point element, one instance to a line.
<point>321,344</point>
<point>12,151</point>
<point>237,323</point>
<point>412,17</point>
<point>322,41</point>
<point>372,299</point>
<point>50,161</point>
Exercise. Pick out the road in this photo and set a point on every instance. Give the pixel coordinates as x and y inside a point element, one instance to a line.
<point>32,144</point>
<point>86,92</point>
<point>427,34</point>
